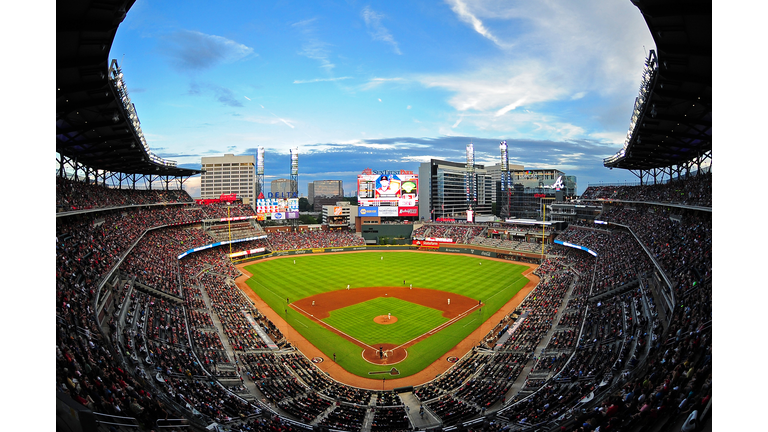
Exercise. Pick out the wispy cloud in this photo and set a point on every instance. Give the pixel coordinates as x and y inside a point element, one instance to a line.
<point>313,47</point>
<point>221,94</point>
<point>460,8</point>
<point>262,120</point>
<point>377,30</point>
<point>321,80</point>
<point>509,107</point>
<point>192,51</point>
<point>375,82</point>
<point>500,88</point>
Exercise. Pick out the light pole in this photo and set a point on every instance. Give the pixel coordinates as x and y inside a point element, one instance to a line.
<point>229,230</point>
<point>543,220</point>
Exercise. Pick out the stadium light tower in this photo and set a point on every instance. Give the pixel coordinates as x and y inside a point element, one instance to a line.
<point>470,182</point>
<point>505,183</point>
<point>260,171</point>
<point>294,182</point>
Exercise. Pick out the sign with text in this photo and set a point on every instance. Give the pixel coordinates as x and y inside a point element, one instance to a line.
<point>388,188</point>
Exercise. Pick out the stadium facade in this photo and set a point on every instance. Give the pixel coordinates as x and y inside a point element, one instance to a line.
<point>340,215</point>
<point>531,190</point>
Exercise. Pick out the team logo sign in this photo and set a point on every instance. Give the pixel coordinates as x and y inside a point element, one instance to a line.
<point>452,359</point>
<point>317,359</point>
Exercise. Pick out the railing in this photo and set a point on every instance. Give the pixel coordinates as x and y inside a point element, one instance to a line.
<point>116,79</point>
<point>648,78</point>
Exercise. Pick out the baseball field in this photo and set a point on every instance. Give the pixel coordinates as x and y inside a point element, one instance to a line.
<point>385,315</point>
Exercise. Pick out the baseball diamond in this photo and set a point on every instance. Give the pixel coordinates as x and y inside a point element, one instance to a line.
<point>311,322</point>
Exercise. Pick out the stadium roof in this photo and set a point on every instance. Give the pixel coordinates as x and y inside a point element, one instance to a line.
<point>672,121</point>
<point>96,125</point>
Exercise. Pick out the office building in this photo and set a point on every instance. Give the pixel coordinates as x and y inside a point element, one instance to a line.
<point>324,192</point>
<point>228,174</point>
<point>443,190</point>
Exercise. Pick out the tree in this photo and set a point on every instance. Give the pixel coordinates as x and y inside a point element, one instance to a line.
<point>307,219</point>
<point>304,204</point>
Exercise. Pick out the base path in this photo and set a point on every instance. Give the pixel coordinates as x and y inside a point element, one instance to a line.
<point>438,367</point>
<point>318,307</point>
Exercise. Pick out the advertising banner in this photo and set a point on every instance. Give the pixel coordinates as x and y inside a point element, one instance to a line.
<point>368,211</point>
<point>426,243</point>
<point>575,246</point>
<point>407,211</point>
<point>246,252</point>
<point>387,211</point>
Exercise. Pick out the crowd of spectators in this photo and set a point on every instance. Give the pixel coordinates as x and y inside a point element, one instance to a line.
<point>161,358</point>
<point>695,191</point>
<point>622,259</point>
<point>458,233</point>
<point>78,195</point>
<point>280,240</point>
<point>680,240</point>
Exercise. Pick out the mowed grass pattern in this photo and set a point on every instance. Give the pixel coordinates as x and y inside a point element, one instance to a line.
<point>412,321</point>
<point>493,282</point>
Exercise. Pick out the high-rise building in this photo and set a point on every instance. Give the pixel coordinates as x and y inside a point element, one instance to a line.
<point>495,172</point>
<point>443,190</point>
<point>324,192</point>
<point>281,187</point>
<point>534,189</point>
<point>229,174</point>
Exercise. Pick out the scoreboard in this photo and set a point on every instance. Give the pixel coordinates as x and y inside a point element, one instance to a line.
<point>388,193</point>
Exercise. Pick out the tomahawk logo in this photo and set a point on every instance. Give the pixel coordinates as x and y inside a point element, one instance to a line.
<point>558,184</point>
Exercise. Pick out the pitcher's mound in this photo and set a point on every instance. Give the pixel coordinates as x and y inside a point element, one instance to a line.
<point>384,319</point>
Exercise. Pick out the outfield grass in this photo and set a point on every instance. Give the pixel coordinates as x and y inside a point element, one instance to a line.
<point>493,282</point>
<point>412,321</point>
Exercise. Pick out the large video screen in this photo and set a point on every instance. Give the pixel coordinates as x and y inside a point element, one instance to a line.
<point>388,193</point>
<point>277,208</point>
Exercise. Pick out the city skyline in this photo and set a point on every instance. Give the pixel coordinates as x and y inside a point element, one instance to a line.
<point>386,86</point>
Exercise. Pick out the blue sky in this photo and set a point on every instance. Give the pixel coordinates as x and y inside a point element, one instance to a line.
<point>385,85</point>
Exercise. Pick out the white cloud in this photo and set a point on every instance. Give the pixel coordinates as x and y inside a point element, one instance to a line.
<point>613,138</point>
<point>313,47</point>
<point>563,51</point>
<point>375,82</point>
<point>378,146</point>
<point>419,159</point>
<point>509,107</point>
<point>493,88</point>
<point>267,120</point>
<point>377,30</point>
<point>578,95</point>
<point>461,9</point>
<point>320,80</point>
<point>192,186</point>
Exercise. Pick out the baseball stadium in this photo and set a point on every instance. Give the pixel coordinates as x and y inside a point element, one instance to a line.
<point>178,314</point>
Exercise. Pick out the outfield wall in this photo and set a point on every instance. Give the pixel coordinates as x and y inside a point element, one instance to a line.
<point>460,249</point>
